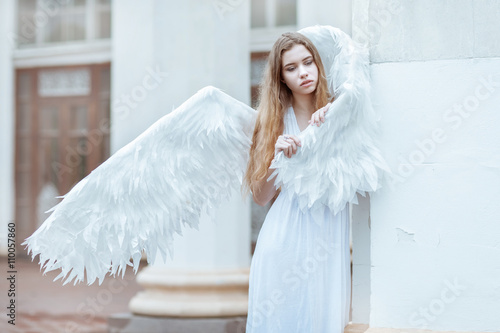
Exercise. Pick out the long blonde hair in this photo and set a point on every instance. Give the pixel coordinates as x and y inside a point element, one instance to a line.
<point>275,97</point>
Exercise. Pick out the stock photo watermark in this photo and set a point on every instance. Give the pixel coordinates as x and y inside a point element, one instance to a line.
<point>378,20</point>
<point>222,7</point>
<point>426,315</point>
<point>127,102</point>
<point>291,279</point>
<point>28,29</point>
<point>11,273</point>
<point>453,118</point>
<point>89,309</point>
<point>122,107</point>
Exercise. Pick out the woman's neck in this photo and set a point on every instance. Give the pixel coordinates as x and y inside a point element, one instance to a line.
<point>303,104</point>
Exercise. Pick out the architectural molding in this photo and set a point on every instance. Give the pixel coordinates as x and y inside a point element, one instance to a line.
<point>63,55</point>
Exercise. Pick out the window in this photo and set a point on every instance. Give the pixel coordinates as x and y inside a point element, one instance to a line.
<point>273,13</point>
<point>46,22</point>
<point>258,62</point>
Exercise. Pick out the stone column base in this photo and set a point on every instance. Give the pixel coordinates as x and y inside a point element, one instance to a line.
<point>410,330</point>
<point>170,293</point>
<point>130,323</point>
<point>356,328</point>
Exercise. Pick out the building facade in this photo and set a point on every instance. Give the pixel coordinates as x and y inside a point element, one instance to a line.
<point>79,79</point>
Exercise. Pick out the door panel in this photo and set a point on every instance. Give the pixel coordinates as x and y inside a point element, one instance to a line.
<point>60,138</point>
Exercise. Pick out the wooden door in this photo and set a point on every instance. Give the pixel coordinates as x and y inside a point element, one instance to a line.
<point>62,134</point>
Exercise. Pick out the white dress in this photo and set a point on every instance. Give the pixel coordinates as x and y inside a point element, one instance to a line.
<point>300,279</point>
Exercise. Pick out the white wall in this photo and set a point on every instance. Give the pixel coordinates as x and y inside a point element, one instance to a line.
<point>7,123</point>
<point>439,223</point>
<point>435,252</point>
<point>337,13</point>
<point>193,44</point>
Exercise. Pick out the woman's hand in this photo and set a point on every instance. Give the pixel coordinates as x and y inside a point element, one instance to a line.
<point>318,117</point>
<point>288,144</point>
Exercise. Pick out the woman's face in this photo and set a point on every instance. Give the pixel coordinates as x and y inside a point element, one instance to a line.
<point>299,71</point>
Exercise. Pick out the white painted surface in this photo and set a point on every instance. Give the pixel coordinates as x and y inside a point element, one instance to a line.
<point>223,243</point>
<point>435,253</point>
<point>337,13</point>
<point>7,122</point>
<point>189,46</point>
<point>486,28</point>
<point>361,244</point>
<point>75,53</point>
<point>360,20</point>
<point>423,30</point>
<point>136,100</point>
<point>435,232</point>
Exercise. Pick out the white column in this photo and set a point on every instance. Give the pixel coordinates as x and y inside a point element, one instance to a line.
<point>7,119</point>
<point>192,44</point>
<point>337,13</point>
<point>434,238</point>
<point>209,273</point>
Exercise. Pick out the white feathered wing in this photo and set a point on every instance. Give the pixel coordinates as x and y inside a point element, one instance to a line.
<point>339,158</point>
<point>188,161</point>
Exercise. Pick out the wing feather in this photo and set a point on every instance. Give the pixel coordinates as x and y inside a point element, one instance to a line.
<point>340,158</point>
<point>188,161</point>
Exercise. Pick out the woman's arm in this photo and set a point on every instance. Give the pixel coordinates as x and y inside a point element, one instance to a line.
<point>288,144</point>
<point>266,190</point>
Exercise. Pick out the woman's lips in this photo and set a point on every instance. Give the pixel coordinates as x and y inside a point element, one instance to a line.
<point>306,83</point>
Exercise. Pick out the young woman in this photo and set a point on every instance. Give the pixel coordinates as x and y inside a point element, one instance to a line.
<point>300,271</point>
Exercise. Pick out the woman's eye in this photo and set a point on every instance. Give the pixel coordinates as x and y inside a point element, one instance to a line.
<point>309,62</point>
<point>290,69</point>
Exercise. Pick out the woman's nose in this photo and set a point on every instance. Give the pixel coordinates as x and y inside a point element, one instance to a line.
<point>302,71</point>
